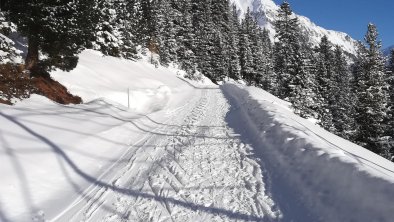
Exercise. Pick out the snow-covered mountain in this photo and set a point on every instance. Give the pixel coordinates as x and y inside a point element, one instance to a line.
<point>266,12</point>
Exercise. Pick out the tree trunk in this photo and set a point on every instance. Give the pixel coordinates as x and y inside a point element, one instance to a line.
<point>32,54</point>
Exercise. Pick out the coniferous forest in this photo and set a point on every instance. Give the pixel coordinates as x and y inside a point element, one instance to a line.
<point>350,96</point>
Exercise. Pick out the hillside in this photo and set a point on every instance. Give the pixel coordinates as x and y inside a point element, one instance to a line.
<point>184,151</point>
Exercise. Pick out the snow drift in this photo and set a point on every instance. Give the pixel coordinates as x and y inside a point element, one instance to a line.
<point>310,168</point>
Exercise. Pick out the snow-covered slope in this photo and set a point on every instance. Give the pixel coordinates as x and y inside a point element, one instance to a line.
<point>266,12</point>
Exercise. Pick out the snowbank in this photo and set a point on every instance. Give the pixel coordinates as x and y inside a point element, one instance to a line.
<point>334,179</point>
<point>136,83</point>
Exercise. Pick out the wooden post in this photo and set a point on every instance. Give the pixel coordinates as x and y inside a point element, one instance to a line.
<point>128,98</point>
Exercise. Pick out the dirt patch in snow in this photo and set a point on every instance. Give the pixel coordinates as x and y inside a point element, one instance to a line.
<point>53,90</point>
<point>15,84</point>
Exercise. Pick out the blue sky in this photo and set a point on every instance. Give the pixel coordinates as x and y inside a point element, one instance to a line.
<point>350,16</point>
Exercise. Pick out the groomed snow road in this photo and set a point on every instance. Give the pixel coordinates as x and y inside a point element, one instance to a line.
<point>192,167</point>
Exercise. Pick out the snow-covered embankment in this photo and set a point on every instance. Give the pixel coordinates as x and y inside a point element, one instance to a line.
<point>51,155</point>
<point>315,175</point>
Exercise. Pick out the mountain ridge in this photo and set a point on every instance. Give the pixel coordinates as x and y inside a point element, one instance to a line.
<point>266,13</point>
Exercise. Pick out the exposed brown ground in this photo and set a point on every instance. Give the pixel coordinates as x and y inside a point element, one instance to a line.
<point>16,84</point>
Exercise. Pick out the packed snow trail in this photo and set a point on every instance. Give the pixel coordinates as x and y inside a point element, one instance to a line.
<point>193,168</point>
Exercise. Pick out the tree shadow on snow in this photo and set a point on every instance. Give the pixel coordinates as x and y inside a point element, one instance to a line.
<point>66,162</point>
<point>284,195</point>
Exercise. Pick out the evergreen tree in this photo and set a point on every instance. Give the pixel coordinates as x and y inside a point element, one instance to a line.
<point>269,82</point>
<point>205,34</point>
<point>165,32</point>
<point>126,17</point>
<point>246,57</point>
<point>143,24</point>
<point>108,38</point>
<point>7,49</point>
<point>186,38</point>
<point>53,28</point>
<point>343,107</point>
<point>234,66</point>
<point>248,46</point>
<point>371,99</point>
<point>287,50</point>
<point>325,87</point>
<point>294,81</point>
<point>390,67</point>
<point>389,148</point>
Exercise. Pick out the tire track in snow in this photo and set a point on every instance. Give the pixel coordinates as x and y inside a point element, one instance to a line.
<point>92,202</point>
<point>195,169</point>
<point>204,165</point>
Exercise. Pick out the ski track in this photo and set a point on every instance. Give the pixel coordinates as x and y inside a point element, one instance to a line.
<point>193,168</point>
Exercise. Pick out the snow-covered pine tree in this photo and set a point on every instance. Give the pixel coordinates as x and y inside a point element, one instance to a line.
<point>247,45</point>
<point>7,49</point>
<point>258,54</point>
<point>294,81</point>
<point>108,37</point>
<point>126,20</point>
<point>268,82</point>
<point>186,41</point>
<point>389,148</point>
<point>343,107</point>
<point>287,49</point>
<point>205,33</point>
<point>53,28</point>
<point>325,85</point>
<point>390,67</point>
<point>222,34</point>
<point>371,97</point>
<point>143,24</point>
<point>167,31</point>
<point>234,60</point>
<point>218,57</point>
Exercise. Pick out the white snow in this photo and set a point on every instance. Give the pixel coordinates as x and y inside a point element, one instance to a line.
<point>184,151</point>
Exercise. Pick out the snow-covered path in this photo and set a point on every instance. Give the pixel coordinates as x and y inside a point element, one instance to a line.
<point>192,168</point>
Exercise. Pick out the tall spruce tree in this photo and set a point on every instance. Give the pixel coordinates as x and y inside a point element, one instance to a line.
<point>371,97</point>
<point>234,65</point>
<point>7,48</point>
<point>53,28</point>
<point>186,39</point>
<point>287,49</point>
<point>389,149</point>
<point>325,86</point>
<point>269,82</point>
<point>108,38</point>
<point>247,47</point>
<point>290,62</point>
<point>343,107</point>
